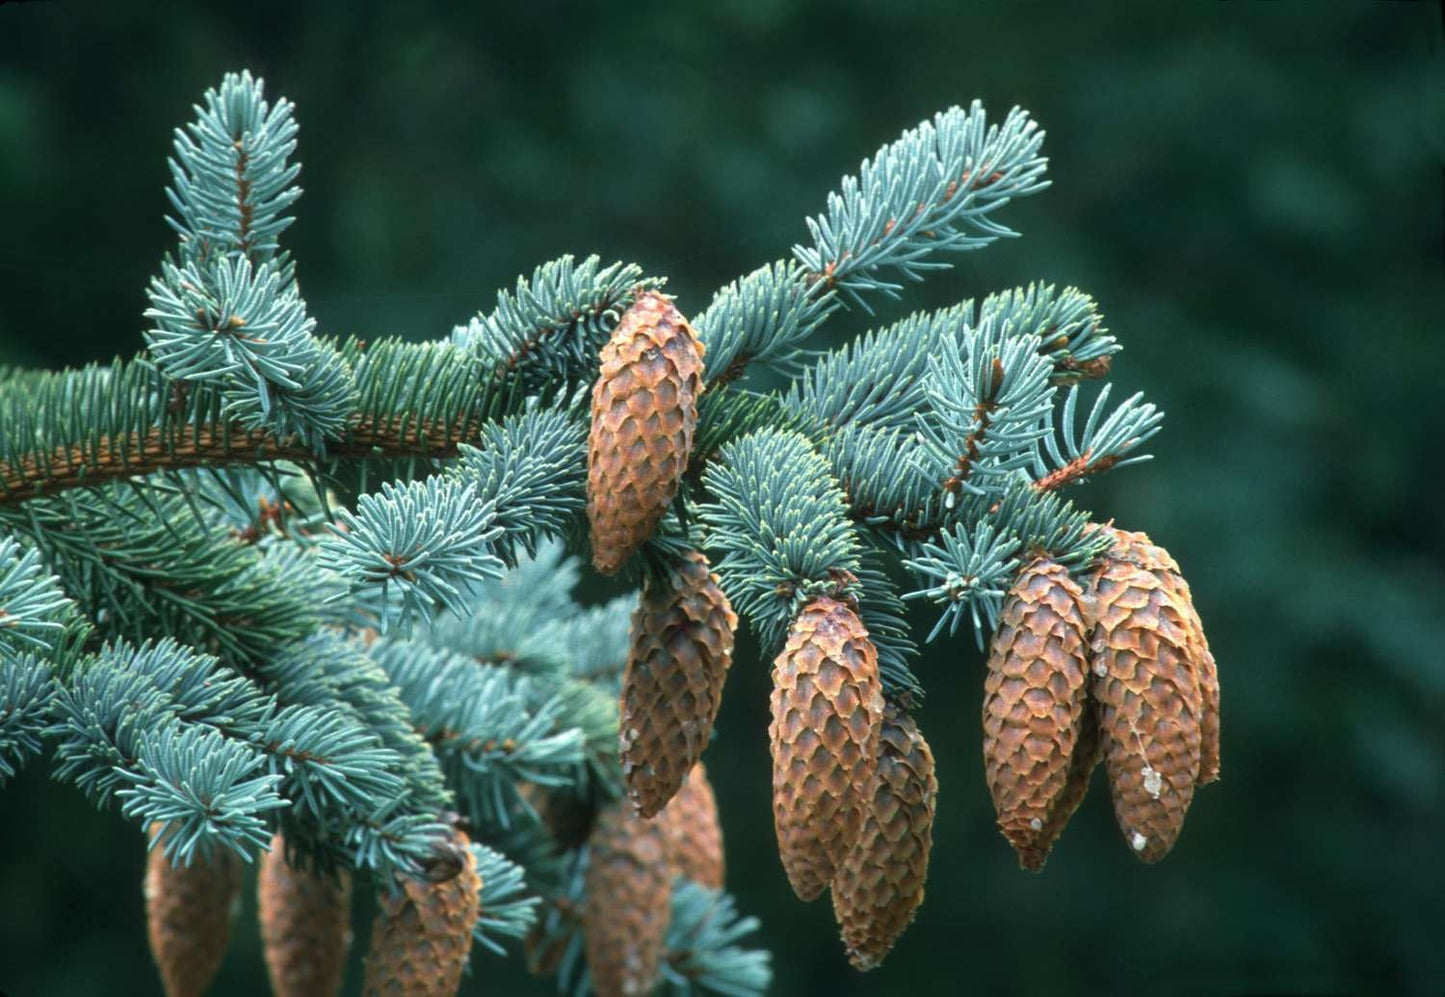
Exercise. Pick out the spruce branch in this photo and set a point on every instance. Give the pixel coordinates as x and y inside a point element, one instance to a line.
<point>933,190</point>
<point>550,327</point>
<point>27,688</point>
<point>781,522</point>
<point>33,609</point>
<point>231,182</point>
<point>763,317</point>
<point>1072,454</point>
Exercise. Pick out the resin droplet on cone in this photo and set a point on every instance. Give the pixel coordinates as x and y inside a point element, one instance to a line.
<point>628,904</point>
<point>694,836</point>
<point>681,648</point>
<point>1149,705</point>
<point>305,925</point>
<point>1035,698</point>
<point>827,708</point>
<point>188,916</point>
<point>422,934</point>
<point>880,885</point>
<point>644,412</point>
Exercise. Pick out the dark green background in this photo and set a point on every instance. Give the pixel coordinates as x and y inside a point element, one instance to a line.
<point>1253,193</point>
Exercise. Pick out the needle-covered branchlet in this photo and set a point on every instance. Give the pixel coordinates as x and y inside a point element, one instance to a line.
<point>644,413</point>
<point>879,887</point>
<point>681,648</point>
<point>827,709</point>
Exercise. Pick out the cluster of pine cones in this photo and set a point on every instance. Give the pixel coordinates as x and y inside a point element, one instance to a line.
<point>1117,671</point>
<point>853,782</point>
<point>420,939</point>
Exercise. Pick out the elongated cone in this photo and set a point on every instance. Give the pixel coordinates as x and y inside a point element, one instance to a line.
<point>629,895</point>
<point>682,646</point>
<point>827,708</point>
<point>1139,548</point>
<point>305,926</point>
<point>188,916</point>
<point>644,411</point>
<point>1088,753</point>
<point>694,836</point>
<point>422,934</point>
<point>1149,705</point>
<point>1033,704</point>
<point>880,885</point>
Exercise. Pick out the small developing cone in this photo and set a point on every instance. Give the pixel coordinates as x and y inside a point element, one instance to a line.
<point>681,647</point>
<point>422,934</point>
<point>305,925</point>
<point>1138,548</point>
<point>827,707</point>
<point>644,411</point>
<point>188,915</point>
<point>694,836</point>
<point>1149,705</point>
<point>880,884</point>
<point>1035,697</point>
<point>628,905</point>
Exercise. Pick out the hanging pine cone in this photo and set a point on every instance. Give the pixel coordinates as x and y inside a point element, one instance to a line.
<point>628,905</point>
<point>422,934</point>
<point>694,836</point>
<point>1137,547</point>
<point>644,411</point>
<point>188,916</point>
<point>1034,702</point>
<point>827,706</point>
<point>305,925</point>
<point>1088,753</point>
<point>880,885</point>
<point>682,645</point>
<point>1149,704</point>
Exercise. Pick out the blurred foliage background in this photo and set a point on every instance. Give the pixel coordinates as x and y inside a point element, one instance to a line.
<point>1252,192</point>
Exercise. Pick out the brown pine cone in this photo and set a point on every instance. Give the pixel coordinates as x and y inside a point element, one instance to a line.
<point>422,935</point>
<point>1034,700</point>
<point>880,885</point>
<point>1138,548</point>
<point>1149,705</point>
<point>188,916</point>
<point>827,706</point>
<point>682,646</point>
<point>305,925</point>
<point>644,411</point>
<point>694,836</point>
<point>1088,753</point>
<point>628,905</point>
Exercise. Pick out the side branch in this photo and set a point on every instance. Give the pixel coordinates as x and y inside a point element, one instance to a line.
<point>191,445</point>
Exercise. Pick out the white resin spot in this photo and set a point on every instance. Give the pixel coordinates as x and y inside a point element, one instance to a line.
<point>1036,824</point>
<point>1138,841</point>
<point>1101,669</point>
<point>1153,782</point>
